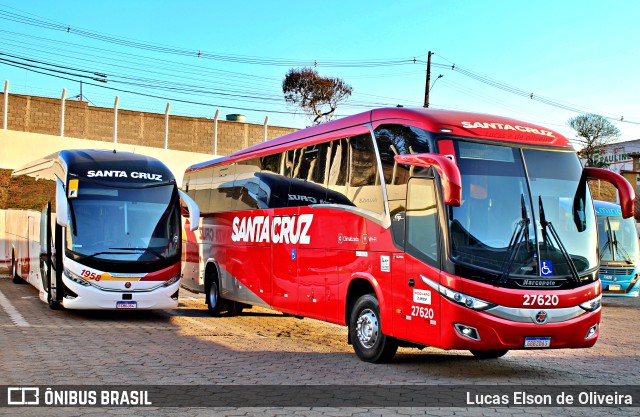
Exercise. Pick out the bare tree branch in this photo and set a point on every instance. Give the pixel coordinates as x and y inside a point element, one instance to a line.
<point>596,132</point>
<point>315,95</point>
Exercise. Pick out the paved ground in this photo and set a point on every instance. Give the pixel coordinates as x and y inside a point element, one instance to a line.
<point>187,347</point>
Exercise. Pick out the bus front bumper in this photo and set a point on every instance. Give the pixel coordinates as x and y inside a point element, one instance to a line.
<point>482,330</point>
<point>91,298</point>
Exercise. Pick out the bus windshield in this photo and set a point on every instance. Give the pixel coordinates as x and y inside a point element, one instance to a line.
<point>124,224</point>
<point>524,212</point>
<point>618,239</point>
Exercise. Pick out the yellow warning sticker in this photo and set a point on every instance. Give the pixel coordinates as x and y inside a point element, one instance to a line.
<point>73,188</point>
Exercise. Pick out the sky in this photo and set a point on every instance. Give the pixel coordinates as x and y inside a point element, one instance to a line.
<point>571,56</point>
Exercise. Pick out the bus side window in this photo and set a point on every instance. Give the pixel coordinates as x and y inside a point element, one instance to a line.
<point>422,221</point>
<point>274,187</point>
<point>304,190</point>
<point>222,188</point>
<point>202,188</point>
<point>271,163</point>
<point>364,189</point>
<point>292,159</point>
<point>395,140</point>
<point>338,170</point>
<point>245,185</point>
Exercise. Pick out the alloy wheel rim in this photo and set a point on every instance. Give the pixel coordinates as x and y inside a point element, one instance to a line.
<point>367,328</point>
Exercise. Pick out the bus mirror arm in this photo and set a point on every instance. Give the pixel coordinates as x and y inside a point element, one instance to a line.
<point>625,190</point>
<point>447,169</point>
<point>194,210</point>
<point>62,206</point>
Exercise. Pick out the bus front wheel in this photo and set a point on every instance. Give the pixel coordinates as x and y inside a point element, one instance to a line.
<point>53,304</point>
<point>215,304</point>
<point>489,354</point>
<point>369,342</point>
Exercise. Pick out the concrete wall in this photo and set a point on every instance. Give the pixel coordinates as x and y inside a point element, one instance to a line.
<point>20,148</point>
<point>192,134</point>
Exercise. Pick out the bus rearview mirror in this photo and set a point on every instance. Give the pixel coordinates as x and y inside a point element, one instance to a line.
<point>626,193</point>
<point>62,206</point>
<point>448,170</point>
<point>194,210</point>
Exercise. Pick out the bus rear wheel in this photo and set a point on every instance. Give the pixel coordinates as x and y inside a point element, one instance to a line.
<point>365,332</point>
<point>489,354</point>
<point>14,270</point>
<point>215,304</point>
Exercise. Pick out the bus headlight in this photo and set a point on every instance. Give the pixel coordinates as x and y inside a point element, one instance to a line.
<point>458,297</point>
<point>592,305</point>
<point>76,278</point>
<point>171,281</point>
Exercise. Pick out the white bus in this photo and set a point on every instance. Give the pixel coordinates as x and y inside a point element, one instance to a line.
<point>97,229</point>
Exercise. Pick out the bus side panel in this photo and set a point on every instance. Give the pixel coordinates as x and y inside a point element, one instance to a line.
<point>312,283</point>
<point>16,235</point>
<point>336,303</point>
<point>422,304</point>
<point>246,280</point>
<point>284,262</point>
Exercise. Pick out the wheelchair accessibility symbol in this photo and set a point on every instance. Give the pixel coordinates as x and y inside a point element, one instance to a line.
<point>546,268</point>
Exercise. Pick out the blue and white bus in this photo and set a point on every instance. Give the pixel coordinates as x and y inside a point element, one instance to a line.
<point>619,253</point>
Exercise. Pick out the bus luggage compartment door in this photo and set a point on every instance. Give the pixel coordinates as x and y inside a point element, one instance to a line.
<point>284,261</point>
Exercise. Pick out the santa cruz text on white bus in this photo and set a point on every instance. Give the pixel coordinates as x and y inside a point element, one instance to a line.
<point>281,229</point>
<point>124,174</point>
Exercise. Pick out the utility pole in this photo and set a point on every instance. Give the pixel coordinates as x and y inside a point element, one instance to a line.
<point>426,87</point>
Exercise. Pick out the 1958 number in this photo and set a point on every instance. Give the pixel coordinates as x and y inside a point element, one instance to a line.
<point>540,300</point>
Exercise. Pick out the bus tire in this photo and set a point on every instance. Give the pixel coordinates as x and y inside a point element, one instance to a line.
<point>53,305</point>
<point>14,270</point>
<point>489,354</point>
<point>215,304</point>
<point>365,332</point>
<point>234,308</point>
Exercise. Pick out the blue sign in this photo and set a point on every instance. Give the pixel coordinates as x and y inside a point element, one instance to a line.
<point>546,268</point>
<point>293,254</point>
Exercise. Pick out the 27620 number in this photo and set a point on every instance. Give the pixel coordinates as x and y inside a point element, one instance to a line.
<point>540,300</point>
<point>425,312</point>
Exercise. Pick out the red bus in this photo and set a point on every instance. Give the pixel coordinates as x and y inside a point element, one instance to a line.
<point>413,227</point>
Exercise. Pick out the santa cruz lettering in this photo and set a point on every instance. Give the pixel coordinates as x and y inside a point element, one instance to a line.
<point>262,229</point>
<point>503,126</point>
<point>124,174</point>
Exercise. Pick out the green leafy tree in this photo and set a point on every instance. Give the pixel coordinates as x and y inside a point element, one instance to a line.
<point>595,132</point>
<point>315,95</point>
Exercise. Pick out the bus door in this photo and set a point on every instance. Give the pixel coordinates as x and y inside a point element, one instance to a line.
<point>399,279</point>
<point>284,261</point>
<point>422,237</point>
<point>45,246</point>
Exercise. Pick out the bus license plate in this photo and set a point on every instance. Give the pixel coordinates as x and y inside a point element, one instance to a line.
<point>614,287</point>
<point>537,342</point>
<point>126,304</point>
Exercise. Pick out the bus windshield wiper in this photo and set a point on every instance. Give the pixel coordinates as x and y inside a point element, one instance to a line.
<point>519,233</point>
<point>552,230</point>
<point>153,251</point>
<point>620,249</point>
<point>93,255</point>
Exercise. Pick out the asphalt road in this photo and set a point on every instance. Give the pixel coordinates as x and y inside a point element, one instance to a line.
<point>265,349</point>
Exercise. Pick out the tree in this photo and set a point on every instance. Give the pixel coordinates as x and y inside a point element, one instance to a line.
<point>595,133</point>
<point>315,95</point>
